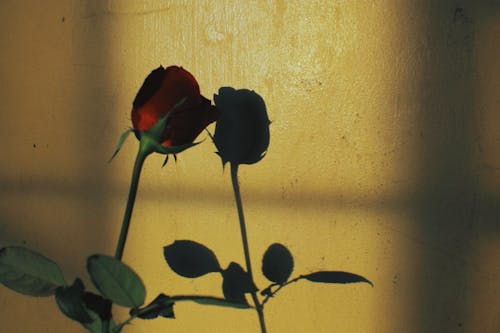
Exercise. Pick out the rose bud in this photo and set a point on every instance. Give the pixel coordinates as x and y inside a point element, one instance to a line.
<point>242,130</point>
<point>162,90</point>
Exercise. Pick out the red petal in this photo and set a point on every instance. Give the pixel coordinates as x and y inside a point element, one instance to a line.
<point>177,84</point>
<point>155,100</point>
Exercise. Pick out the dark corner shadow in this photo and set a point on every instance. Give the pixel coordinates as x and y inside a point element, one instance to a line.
<point>448,210</point>
<point>242,130</point>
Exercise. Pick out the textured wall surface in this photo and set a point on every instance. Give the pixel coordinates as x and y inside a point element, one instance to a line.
<point>384,157</point>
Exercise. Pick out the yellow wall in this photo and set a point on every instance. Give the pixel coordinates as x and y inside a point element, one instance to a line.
<point>384,156</point>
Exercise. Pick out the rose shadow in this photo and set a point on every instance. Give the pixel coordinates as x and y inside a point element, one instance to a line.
<point>242,130</point>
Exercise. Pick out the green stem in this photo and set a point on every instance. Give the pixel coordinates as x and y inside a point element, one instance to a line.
<point>144,151</point>
<point>136,173</point>
<point>105,326</point>
<point>239,205</point>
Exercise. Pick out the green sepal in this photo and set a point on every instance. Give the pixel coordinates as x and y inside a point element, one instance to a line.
<point>150,145</point>
<point>161,149</point>
<point>166,160</point>
<point>156,131</point>
<point>122,139</point>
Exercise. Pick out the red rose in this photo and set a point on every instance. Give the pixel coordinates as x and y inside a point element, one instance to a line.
<point>164,88</point>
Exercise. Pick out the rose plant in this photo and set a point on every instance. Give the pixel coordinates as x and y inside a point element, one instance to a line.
<point>168,113</point>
